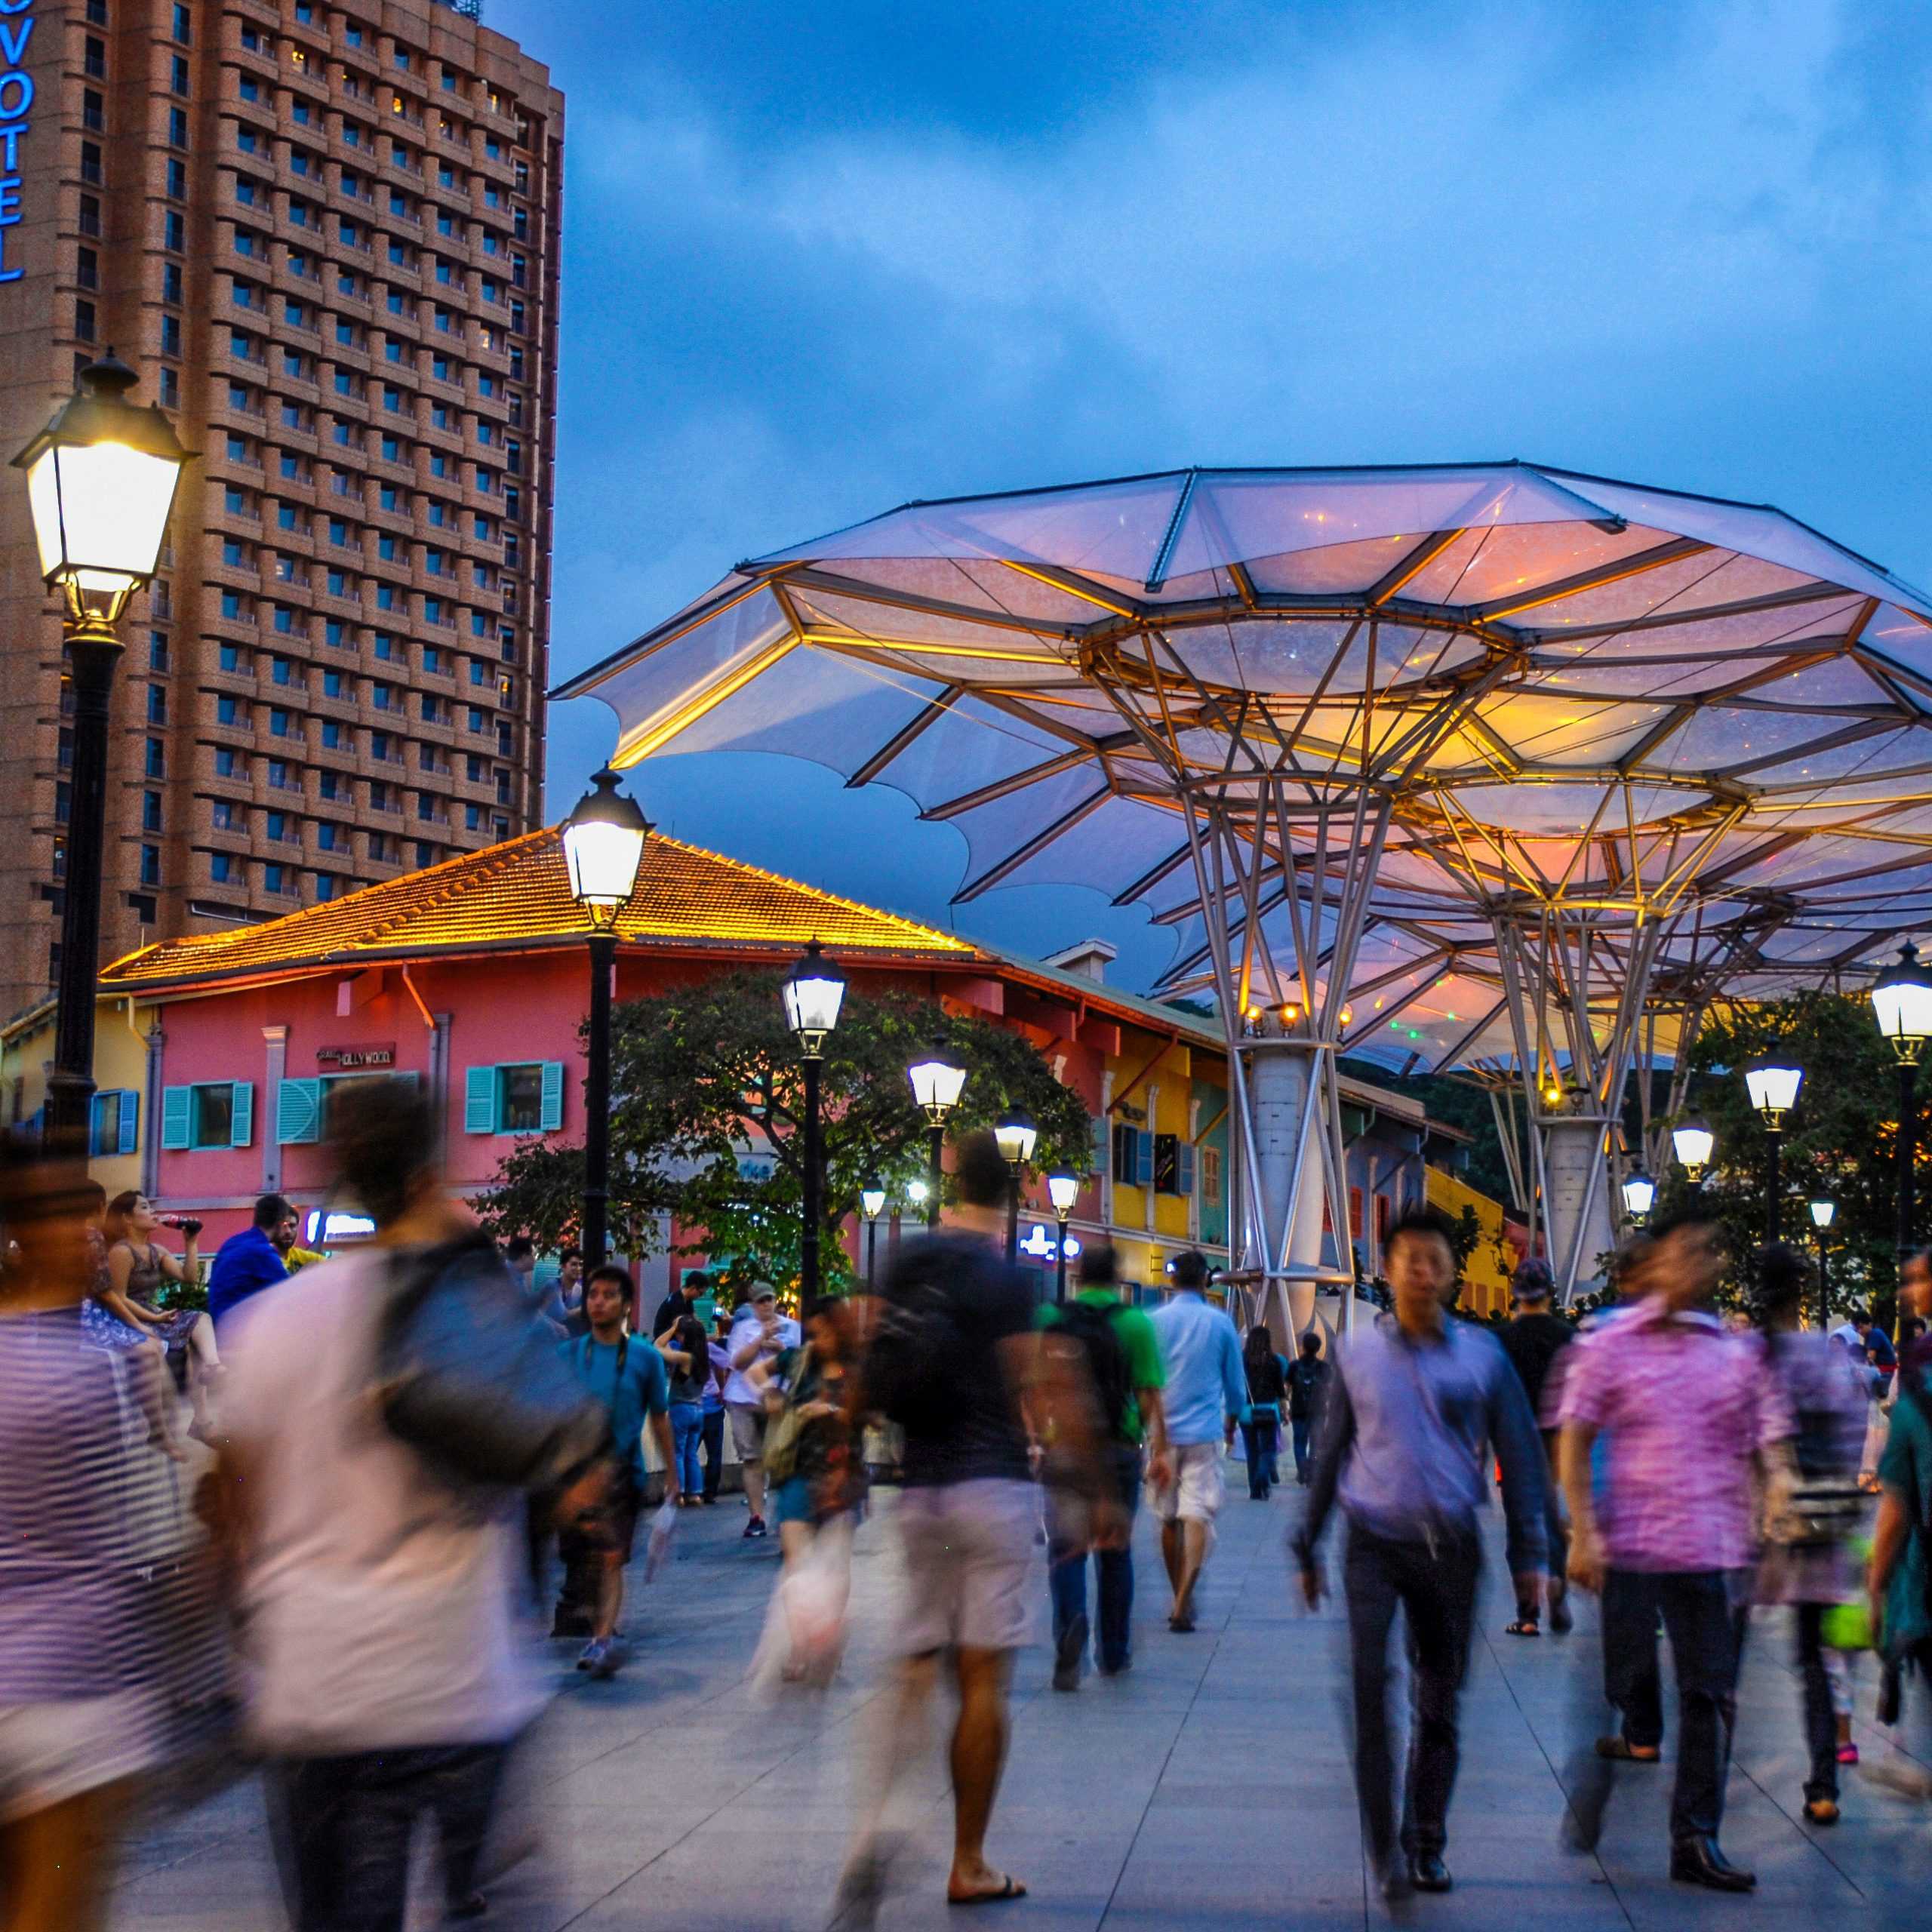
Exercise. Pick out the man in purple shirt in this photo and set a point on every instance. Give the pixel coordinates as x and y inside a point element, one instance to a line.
<point>1687,1412</point>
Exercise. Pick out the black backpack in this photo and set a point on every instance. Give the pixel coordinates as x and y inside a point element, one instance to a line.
<point>1093,1328</point>
<point>912,1363</point>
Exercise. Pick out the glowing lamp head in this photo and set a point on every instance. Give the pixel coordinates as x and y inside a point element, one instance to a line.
<point>1062,1190</point>
<point>1774,1091</point>
<point>1693,1143</point>
<point>603,847</point>
<point>1823,1213</point>
<point>1902,999</point>
<point>1639,1191</point>
<point>813,996</point>
<point>871,1198</point>
<point>918,1192</point>
<point>936,1085</point>
<point>1016,1135</point>
<point>100,481</point>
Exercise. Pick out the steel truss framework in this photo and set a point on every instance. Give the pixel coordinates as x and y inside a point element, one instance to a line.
<point>1490,767</point>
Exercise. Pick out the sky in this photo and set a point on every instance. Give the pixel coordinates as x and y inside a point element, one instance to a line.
<point>819,261</point>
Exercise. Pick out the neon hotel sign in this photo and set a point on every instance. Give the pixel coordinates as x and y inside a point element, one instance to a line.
<point>16,103</point>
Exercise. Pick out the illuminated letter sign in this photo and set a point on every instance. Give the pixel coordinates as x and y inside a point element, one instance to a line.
<point>16,103</point>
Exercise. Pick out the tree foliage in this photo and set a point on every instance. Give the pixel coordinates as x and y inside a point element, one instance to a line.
<point>708,1098</point>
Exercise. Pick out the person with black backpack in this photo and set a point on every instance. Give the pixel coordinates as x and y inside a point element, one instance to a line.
<point>1114,1371</point>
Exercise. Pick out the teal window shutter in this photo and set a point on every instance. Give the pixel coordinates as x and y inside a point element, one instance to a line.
<point>130,1118</point>
<point>242,1122</point>
<point>479,1099</point>
<point>1103,1134</point>
<point>1143,1159</point>
<point>552,1116</point>
<point>298,1113</point>
<point>177,1117</point>
<point>1184,1169</point>
<point>97,1116</point>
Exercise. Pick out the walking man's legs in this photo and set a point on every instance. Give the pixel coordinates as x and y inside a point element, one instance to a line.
<point>1115,1581</point>
<point>1698,1618</point>
<point>713,1436</point>
<point>1438,1597</point>
<point>1630,1678</point>
<point>1369,1589</point>
<point>977,1758</point>
<point>747,1437</point>
<point>1298,1429</point>
<point>1821,1727</point>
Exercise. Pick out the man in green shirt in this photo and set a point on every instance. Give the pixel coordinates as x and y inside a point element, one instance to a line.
<point>1109,1359</point>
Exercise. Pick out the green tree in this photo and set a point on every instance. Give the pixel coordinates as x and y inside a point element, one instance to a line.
<point>707,1100</point>
<point>1840,1141</point>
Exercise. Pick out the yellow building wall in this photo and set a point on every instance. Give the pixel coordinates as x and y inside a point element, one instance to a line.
<point>1485,1274</point>
<point>120,1060</point>
<point>1171,1084</point>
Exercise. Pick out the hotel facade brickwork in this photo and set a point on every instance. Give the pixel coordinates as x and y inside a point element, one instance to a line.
<point>324,236</point>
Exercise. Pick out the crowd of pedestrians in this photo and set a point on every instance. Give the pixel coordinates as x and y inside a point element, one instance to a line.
<point>395,1453</point>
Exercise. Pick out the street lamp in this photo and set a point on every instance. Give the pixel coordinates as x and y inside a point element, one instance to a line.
<point>1015,1136</point>
<point>813,996</point>
<point>1639,1191</point>
<point>1823,1213</point>
<point>101,478</point>
<point>1062,1190</point>
<point>936,1085</point>
<point>1902,1000</point>
<point>872,1198</point>
<point>1693,1143</point>
<point>1774,1091</point>
<point>603,840</point>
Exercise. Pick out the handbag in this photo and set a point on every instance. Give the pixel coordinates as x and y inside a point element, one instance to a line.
<point>786,1431</point>
<point>465,1377</point>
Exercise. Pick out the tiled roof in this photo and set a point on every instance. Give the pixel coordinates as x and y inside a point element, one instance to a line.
<point>517,894</point>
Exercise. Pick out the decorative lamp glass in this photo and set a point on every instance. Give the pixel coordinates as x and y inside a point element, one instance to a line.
<point>936,1085</point>
<point>917,1192</point>
<point>100,481</point>
<point>603,847</point>
<point>1693,1143</point>
<point>1062,1190</point>
<point>1773,1090</point>
<point>1016,1135</point>
<point>1902,997</point>
<point>871,1198</point>
<point>1822,1214</point>
<point>813,996</point>
<point>1639,1191</point>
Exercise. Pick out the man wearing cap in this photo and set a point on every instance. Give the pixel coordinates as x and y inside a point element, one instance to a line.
<point>759,1335</point>
<point>1533,1339</point>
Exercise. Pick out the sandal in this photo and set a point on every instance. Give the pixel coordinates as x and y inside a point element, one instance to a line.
<point>1624,1751</point>
<point>1821,1810</point>
<point>1523,1626</point>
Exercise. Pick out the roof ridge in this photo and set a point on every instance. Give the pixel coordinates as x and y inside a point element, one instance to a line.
<point>478,868</point>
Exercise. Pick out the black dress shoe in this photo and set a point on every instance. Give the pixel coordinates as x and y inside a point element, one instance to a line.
<point>1698,1862</point>
<point>1428,1873</point>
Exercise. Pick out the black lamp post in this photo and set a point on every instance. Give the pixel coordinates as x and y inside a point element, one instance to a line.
<point>1774,1091</point>
<point>872,1198</point>
<point>603,840</point>
<point>1822,1214</point>
<point>1015,1134</point>
<point>1902,999</point>
<point>1062,1190</point>
<point>813,996</point>
<point>936,1085</point>
<point>101,478</point>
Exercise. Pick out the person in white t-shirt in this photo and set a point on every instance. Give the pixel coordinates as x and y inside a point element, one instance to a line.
<point>760,1334</point>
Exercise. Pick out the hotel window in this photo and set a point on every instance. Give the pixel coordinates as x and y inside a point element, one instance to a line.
<point>113,1119</point>
<point>150,811</point>
<point>522,1097</point>
<point>228,763</point>
<point>84,322</point>
<point>177,75</point>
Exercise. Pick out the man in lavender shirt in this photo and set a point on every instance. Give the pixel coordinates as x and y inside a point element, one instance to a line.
<point>1689,1413</point>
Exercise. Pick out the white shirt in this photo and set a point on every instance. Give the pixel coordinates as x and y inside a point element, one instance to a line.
<point>739,1387</point>
<point>1849,1332</point>
<point>379,1600</point>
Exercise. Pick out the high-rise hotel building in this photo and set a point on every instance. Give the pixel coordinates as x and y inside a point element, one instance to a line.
<point>324,234</point>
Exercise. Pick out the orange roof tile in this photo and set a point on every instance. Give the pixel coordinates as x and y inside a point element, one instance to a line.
<point>517,894</point>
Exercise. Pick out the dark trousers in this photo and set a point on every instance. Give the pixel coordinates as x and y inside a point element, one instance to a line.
<point>1821,1723</point>
<point>1261,1440</point>
<point>1555,1526</point>
<point>1069,1545</point>
<point>1703,1614</point>
<point>342,1828</point>
<point>712,1437</point>
<point>1435,1586</point>
<point>1298,1428</point>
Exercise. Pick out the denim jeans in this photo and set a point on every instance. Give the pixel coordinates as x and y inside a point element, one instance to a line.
<point>1298,1427</point>
<point>1261,1442</point>
<point>687,1425</point>
<point>1704,1613</point>
<point>1068,1547</point>
<point>713,1436</point>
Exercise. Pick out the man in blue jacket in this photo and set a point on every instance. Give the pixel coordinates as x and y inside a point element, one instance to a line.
<point>250,1261</point>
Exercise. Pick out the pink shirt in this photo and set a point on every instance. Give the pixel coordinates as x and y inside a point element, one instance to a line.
<point>1681,1407</point>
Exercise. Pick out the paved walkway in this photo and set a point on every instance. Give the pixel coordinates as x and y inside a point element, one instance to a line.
<point>1210,1787</point>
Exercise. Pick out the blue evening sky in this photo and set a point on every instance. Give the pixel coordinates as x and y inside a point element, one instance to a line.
<point>820,259</point>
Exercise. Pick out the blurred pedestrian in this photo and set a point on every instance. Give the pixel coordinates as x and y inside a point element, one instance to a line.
<point>1261,1421</point>
<point>951,1361</point>
<point>759,1334</point>
<point>628,1380</point>
<point>1206,1389</point>
<point>1534,1340</point>
<point>1810,1567</point>
<point>1112,1370</point>
<point>251,1260</point>
<point>79,1705</point>
<point>1307,1378</point>
<point>383,1410</point>
<point>1417,1406</point>
<point>1690,1414</point>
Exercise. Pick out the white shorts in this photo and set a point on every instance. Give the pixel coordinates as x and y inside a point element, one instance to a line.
<point>53,1751</point>
<point>970,1551</point>
<point>747,1431</point>
<point>1198,1489</point>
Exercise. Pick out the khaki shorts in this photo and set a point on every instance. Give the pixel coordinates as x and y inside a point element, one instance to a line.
<point>51,1752</point>
<point>747,1431</point>
<point>1197,1489</point>
<point>970,1550</point>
